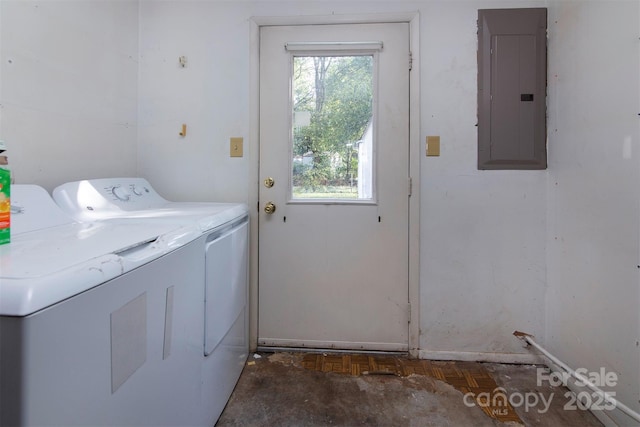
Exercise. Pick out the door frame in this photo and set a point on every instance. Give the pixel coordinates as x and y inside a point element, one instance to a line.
<point>413,19</point>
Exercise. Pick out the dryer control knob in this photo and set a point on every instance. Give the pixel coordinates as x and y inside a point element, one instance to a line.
<point>121,193</point>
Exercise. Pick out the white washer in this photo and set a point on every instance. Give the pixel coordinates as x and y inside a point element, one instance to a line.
<point>95,320</point>
<point>223,242</point>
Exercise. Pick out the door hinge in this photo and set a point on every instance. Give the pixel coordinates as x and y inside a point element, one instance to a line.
<point>409,312</point>
<point>410,61</point>
<point>410,186</point>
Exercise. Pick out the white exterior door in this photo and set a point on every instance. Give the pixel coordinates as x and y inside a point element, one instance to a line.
<point>334,157</point>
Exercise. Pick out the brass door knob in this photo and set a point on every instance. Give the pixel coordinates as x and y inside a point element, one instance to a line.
<point>269,208</point>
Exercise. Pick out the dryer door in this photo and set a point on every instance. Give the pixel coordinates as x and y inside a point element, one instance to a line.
<point>226,282</point>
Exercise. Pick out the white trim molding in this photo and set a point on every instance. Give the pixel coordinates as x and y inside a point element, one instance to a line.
<point>473,356</point>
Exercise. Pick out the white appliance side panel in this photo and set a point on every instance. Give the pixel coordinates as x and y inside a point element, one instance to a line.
<point>226,283</point>
<point>65,374</point>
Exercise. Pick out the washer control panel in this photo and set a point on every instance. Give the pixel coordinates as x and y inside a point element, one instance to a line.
<point>107,197</point>
<point>129,192</point>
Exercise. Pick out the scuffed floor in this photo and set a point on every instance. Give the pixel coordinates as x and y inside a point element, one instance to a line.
<point>296,389</point>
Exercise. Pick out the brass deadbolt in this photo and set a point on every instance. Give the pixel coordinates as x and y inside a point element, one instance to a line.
<point>269,182</point>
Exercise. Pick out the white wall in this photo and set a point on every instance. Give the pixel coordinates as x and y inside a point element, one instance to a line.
<point>210,95</point>
<point>483,245</point>
<point>594,169</point>
<point>68,89</point>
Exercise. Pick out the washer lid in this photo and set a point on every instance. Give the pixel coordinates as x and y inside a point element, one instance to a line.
<point>43,267</point>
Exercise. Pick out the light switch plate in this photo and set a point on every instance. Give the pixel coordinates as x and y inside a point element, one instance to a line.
<point>235,148</point>
<point>433,146</point>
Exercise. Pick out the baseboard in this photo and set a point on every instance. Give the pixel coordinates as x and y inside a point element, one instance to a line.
<point>470,356</point>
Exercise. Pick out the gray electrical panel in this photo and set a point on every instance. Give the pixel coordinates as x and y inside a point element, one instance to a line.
<point>512,84</point>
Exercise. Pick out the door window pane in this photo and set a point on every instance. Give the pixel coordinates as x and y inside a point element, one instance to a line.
<point>333,100</point>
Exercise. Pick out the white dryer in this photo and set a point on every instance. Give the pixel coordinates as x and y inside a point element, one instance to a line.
<point>223,244</point>
<point>95,320</point>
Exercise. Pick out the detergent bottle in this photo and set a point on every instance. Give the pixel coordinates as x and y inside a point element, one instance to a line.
<point>5,198</point>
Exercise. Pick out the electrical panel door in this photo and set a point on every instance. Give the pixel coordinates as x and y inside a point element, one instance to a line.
<point>512,79</point>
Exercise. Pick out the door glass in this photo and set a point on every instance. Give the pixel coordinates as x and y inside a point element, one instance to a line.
<point>332,156</point>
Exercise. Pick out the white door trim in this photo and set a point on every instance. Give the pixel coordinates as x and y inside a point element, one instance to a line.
<point>413,18</point>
